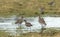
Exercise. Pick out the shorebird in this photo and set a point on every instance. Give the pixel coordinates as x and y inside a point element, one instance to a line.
<point>42,9</point>
<point>28,24</point>
<point>43,24</point>
<point>19,21</point>
<point>51,3</point>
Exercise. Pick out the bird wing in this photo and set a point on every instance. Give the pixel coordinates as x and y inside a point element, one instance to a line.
<point>41,20</point>
<point>28,24</point>
<point>19,21</point>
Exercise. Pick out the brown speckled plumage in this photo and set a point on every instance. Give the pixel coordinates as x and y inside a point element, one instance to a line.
<point>19,21</point>
<point>41,20</point>
<point>27,24</point>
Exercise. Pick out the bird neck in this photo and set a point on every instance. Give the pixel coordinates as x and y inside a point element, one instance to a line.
<point>25,21</point>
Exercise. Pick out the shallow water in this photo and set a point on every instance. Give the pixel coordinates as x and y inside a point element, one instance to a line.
<point>9,24</point>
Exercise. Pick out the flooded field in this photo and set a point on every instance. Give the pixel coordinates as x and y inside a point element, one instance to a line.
<point>7,25</point>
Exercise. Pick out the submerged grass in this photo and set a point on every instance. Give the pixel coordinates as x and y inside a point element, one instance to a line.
<point>47,33</point>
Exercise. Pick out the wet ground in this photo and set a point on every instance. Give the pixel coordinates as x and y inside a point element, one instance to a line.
<point>9,23</point>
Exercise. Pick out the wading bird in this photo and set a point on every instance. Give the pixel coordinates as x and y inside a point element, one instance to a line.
<point>19,21</point>
<point>28,24</point>
<point>51,3</point>
<point>43,24</point>
<point>42,10</point>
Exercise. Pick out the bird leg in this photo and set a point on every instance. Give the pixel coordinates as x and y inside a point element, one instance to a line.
<point>20,29</point>
<point>27,29</point>
<point>30,29</point>
<point>41,32</point>
<point>42,29</point>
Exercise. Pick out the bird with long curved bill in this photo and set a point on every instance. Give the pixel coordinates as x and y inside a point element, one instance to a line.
<point>51,3</point>
<point>19,22</point>
<point>42,9</point>
<point>42,23</point>
<point>28,24</point>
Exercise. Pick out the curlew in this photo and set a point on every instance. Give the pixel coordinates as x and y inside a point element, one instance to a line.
<point>43,24</point>
<point>42,10</point>
<point>19,22</point>
<point>28,24</point>
<point>51,3</point>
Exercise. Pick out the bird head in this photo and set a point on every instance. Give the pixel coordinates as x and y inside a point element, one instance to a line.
<point>25,20</point>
